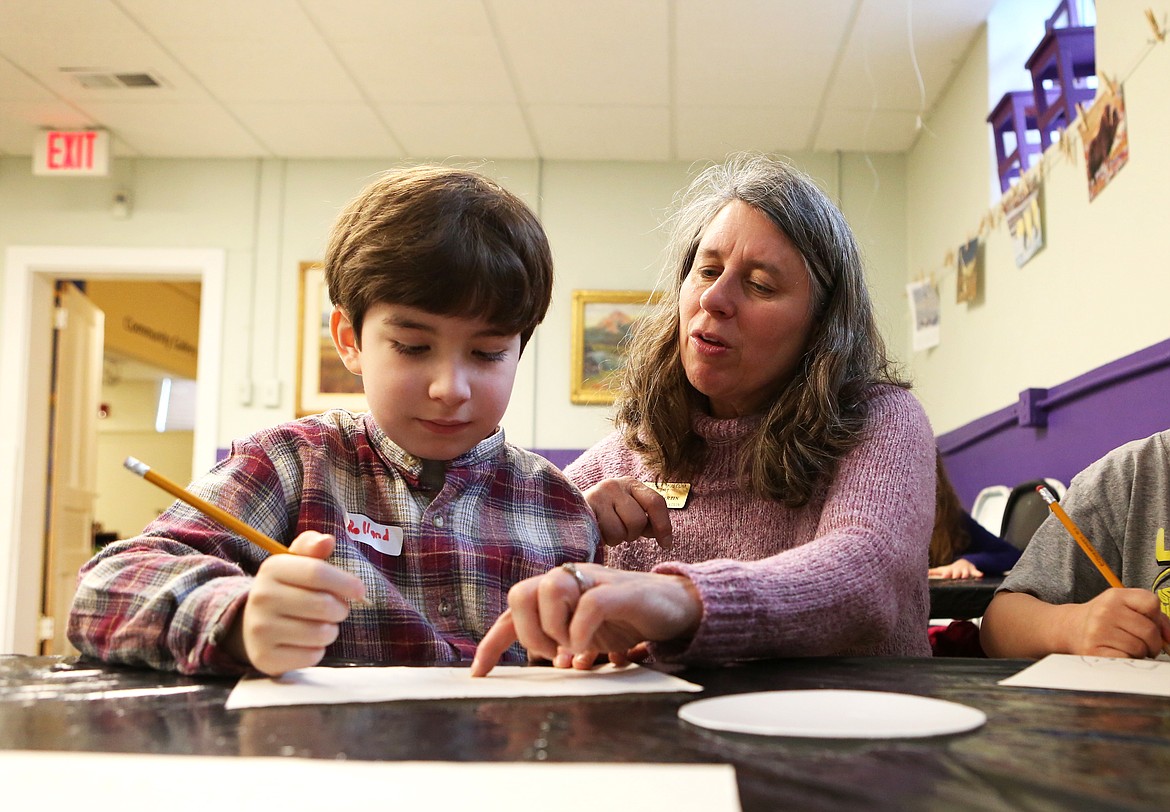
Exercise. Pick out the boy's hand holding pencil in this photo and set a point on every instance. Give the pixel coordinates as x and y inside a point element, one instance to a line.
<point>294,607</point>
<point>296,602</point>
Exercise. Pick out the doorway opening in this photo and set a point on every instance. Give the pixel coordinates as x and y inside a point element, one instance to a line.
<point>25,358</point>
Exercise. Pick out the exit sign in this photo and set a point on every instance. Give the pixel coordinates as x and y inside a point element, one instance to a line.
<point>72,152</point>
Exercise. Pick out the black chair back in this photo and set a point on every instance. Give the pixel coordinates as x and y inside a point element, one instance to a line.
<point>1024,512</point>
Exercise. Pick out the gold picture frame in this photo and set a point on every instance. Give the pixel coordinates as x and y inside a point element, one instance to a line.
<point>323,382</point>
<point>601,323</point>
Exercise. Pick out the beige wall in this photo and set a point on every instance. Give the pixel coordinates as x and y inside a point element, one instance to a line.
<point>125,503</point>
<point>1098,289</point>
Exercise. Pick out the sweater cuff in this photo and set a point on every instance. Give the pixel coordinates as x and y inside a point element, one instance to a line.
<point>727,619</point>
<point>198,634</point>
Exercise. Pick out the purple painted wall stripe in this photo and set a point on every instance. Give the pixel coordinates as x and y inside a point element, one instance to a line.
<point>1059,431</point>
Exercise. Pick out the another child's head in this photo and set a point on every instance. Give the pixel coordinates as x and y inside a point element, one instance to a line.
<point>438,277</point>
<point>447,241</point>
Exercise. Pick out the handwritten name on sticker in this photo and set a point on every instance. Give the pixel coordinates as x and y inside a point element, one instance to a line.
<point>384,538</point>
<point>675,493</point>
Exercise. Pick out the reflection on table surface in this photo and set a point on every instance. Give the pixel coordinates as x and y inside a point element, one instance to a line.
<point>1039,749</point>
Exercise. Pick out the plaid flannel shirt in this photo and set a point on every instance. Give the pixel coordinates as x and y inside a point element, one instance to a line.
<point>167,597</point>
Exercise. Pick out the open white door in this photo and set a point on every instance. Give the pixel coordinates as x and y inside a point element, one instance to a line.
<point>77,387</point>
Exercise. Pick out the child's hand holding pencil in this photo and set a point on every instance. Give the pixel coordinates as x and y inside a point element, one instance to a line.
<point>296,601</point>
<point>1117,619</point>
<point>294,607</point>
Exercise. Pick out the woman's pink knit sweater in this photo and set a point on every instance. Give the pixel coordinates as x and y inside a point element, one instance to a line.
<point>843,575</point>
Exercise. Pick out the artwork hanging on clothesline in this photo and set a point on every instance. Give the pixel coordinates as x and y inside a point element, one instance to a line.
<point>924,313</point>
<point>1022,208</point>
<point>967,272</point>
<point>1104,134</point>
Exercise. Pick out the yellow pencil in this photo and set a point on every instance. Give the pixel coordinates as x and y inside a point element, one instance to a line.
<point>1085,544</point>
<point>223,517</point>
<point>1080,538</point>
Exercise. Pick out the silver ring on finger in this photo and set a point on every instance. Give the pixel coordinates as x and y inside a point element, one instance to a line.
<point>582,583</point>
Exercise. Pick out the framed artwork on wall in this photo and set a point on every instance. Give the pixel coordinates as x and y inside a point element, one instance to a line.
<point>323,382</point>
<point>602,320</point>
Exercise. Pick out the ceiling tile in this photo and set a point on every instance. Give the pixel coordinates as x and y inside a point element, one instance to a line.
<point>424,20</point>
<point>246,20</point>
<point>608,52</point>
<point>193,130</point>
<point>58,63</point>
<point>460,130</point>
<point>98,19</point>
<point>454,70</point>
<point>753,52</point>
<point>599,133</point>
<point>16,85</point>
<point>267,70</point>
<point>319,130</point>
<point>879,66</point>
<point>711,132</point>
<point>417,51</point>
<point>866,131</point>
<point>21,122</point>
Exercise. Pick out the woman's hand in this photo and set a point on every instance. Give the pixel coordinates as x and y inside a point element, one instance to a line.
<point>555,619</point>
<point>294,608</point>
<point>959,568</point>
<point>627,509</point>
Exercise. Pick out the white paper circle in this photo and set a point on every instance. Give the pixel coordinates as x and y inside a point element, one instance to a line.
<point>832,714</point>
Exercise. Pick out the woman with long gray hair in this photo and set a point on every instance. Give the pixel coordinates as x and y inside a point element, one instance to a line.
<point>769,488</point>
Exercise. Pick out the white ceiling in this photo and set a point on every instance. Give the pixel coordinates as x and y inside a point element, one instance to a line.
<point>554,79</point>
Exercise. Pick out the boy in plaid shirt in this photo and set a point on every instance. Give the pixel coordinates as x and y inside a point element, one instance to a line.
<point>409,522</point>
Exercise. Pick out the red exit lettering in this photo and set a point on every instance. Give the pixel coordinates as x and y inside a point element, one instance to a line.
<point>71,150</point>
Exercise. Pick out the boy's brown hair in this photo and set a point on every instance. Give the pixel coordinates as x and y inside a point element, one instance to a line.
<point>444,240</point>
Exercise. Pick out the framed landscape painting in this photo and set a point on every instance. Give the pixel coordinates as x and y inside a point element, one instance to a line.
<point>602,320</point>
<point>323,382</point>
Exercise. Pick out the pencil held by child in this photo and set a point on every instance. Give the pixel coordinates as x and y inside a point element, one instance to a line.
<point>1079,538</point>
<point>1086,546</point>
<point>223,517</point>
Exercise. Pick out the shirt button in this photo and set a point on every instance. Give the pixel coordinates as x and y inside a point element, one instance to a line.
<point>438,521</point>
<point>445,607</point>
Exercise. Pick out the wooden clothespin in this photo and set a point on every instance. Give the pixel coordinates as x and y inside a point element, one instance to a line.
<point>1067,148</point>
<point>1111,85</point>
<point>999,211</point>
<point>1082,120</point>
<point>1159,31</point>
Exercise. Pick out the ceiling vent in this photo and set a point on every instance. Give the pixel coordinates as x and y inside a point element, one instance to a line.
<point>109,80</point>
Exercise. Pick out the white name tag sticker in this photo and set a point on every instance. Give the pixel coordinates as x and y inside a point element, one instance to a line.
<point>384,538</point>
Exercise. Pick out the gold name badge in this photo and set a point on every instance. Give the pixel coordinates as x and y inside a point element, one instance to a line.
<point>675,493</point>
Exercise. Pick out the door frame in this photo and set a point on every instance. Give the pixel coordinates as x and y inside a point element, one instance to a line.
<point>25,360</point>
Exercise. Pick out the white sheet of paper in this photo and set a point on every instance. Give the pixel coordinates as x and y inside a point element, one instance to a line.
<point>1071,672</point>
<point>146,783</point>
<point>334,686</point>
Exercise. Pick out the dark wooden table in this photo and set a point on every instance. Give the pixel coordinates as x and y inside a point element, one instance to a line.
<point>961,598</point>
<point>1040,749</point>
